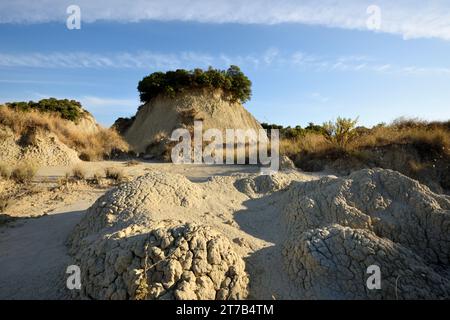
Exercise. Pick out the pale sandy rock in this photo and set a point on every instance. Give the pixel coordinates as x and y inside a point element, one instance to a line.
<point>156,120</point>
<point>132,264</point>
<point>138,240</point>
<point>286,164</point>
<point>258,185</point>
<point>47,150</point>
<point>338,227</point>
<point>129,250</point>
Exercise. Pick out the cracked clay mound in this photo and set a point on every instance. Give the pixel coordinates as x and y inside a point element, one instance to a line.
<point>338,227</point>
<point>126,251</point>
<point>147,239</point>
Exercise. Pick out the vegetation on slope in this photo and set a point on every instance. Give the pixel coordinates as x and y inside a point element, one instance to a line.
<point>66,109</point>
<point>90,146</point>
<point>232,81</point>
<point>121,125</point>
<point>416,148</point>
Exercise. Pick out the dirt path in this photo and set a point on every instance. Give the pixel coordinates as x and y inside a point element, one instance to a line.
<point>33,255</point>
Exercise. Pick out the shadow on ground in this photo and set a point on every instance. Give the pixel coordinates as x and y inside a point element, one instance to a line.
<point>263,219</point>
<point>33,256</point>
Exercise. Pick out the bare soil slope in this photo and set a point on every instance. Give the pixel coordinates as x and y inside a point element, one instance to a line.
<point>157,119</point>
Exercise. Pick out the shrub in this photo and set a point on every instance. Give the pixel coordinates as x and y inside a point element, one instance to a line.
<point>4,203</point>
<point>232,81</point>
<point>121,125</point>
<point>97,178</point>
<point>114,174</point>
<point>5,171</point>
<point>340,132</point>
<point>79,173</point>
<point>66,109</point>
<point>24,173</point>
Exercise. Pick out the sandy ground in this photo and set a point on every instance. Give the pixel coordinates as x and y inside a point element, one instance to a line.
<point>33,256</point>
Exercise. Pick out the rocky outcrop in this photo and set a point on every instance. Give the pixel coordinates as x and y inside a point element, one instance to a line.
<point>126,251</point>
<point>165,260</point>
<point>147,240</point>
<point>338,227</point>
<point>156,120</point>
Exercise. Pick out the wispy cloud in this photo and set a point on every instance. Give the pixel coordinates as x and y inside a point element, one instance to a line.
<point>163,61</point>
<point>94,102</point>
<point>126,60</point>
<point>408,18</point>
<point>316,96</point>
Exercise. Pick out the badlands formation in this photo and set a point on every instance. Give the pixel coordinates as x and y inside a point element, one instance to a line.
<point>42,146</point>
<point>285,236</point>
<point>155,121</point>
<point>225,232</point>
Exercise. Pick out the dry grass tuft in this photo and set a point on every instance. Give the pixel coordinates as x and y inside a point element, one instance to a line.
<point>24,173</point>
<point>79,173</point>
<point>5,171</point>
<point>4,203</point>
<point>115,174</point>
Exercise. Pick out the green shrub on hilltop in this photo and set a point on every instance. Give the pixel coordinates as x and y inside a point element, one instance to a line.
<point>297,131</point>
<point>66,109</point>
<point>232,81</point>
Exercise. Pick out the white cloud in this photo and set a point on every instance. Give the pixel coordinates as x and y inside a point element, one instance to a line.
<point>166,61</point>
<point>408,18</point>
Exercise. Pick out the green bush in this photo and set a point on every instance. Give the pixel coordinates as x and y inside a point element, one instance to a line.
<point>296,132</point>
<point>232,81</point>
<point>66,109</point>
<point>340,132</point>
<point>121,125</point>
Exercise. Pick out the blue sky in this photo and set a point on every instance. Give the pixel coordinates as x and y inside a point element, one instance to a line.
<point>309,61</point>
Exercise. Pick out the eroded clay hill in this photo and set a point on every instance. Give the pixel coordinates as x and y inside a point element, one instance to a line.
<point>288,235</point>
<point>44,138</point>
<point>155,121</point>
<point>44,149</point>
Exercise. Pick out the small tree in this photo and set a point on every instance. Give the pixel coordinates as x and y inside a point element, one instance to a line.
<point>233,81</point>
<point>340,132</point>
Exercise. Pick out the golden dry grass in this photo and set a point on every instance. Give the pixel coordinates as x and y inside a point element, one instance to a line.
<point>435,137</point>
<point>90,147</point>
<point>79,173</point>
<point>21,173</point>
<point>115,174</point>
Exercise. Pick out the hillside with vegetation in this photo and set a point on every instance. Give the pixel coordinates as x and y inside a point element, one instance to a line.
<point>51,132</point>
<point>413,147</point>
<point>66,109</point>
<point>175,99</point>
